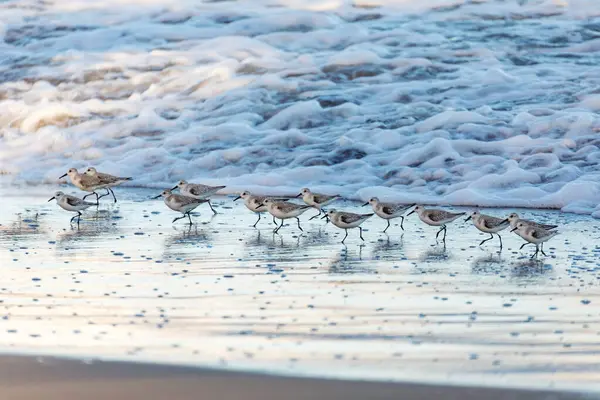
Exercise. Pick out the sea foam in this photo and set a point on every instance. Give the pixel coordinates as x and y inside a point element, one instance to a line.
<point>487,103</point>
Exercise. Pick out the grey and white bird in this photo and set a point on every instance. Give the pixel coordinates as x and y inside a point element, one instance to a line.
<point>389,211</point>
<point>107,181</point>
<point>84,182</point>
<point>488,224</point>
<point>284,210</point>
<point>534,235</point>
<point>181,203</point>
<point>346,220</point>
<point>255,204</point>
<point>436,218</point>
<point>514,220</point>
<point>198,191</point>
<point>71,203</point>
<point>317,200</point>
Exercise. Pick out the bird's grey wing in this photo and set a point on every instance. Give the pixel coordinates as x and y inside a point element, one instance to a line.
<point>388,209</point>
<point>491,222</point>
<point>322,198</point>
<point>74,201</point>
<point>350,218</point>
<point>548,227</point>
<point>197,190</point>
<point>437,215</point>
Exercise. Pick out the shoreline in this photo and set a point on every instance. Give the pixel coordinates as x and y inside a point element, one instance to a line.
<point>54,378</point>
<point>226,194</point>
<point>130,285</point>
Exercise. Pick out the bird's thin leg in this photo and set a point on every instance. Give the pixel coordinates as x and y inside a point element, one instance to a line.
<point>537,249</point>
<point>113,194</point>
<point>388,225</point>
<point>345,235</point>
<point>542,249</point>
<point>254,226</point>
<point>78,217</point>
<point>211,207</point>
<point>190,218</point>
<point>445,230</point>
<point>315,216</point>
<point>485,240</point>
<point>438,234</point>
<point>74,216</point>
<point>500,238</point>
<point>523,245</point>
<point>402,222</point>
<point>299,227</point>
<point>105,194</point>
<point>274,221</point>
<point>178,218</point>
<point>363,239</point>
<point>89,194</point>
<point>278,228</point>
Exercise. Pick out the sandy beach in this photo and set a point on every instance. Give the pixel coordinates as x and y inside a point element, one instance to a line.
<point>23,378</point>
<point>129,285</point>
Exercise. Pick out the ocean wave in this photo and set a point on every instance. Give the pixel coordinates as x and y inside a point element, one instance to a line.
<point>487,103</point>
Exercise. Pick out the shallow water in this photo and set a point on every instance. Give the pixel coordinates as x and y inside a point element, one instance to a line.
<point>488,102</point>
<point>128,284</point>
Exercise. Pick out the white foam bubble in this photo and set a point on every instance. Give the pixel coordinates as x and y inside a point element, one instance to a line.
<point>448,102</point>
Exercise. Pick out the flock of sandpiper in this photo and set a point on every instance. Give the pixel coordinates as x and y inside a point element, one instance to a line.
<point>192,195</point>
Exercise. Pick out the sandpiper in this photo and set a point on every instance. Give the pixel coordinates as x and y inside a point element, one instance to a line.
<point>181,203</point>
<point>107,181</point>
<point>255,204</point>
<point>346,220</point>
<point>84,182</point>
<point>198,191</point>
<point>316,200</point>
<point>284,210</point>
<point>488,224</point>
<point>71,203</point>
<point>534,235</point>
<point>388,211</point>
<point>514,220</point>
<point>436,218</point>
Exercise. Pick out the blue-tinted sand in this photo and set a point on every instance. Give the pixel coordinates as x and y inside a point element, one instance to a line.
<point>224,294</point>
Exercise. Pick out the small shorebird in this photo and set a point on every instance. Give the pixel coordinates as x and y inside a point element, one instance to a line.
<point>316,200</point>
<point>436,218</point>
<point>284,210</point>
<point>254,204</point>
<point>181,203</point>
<point>71,203</point>
<point>388,211</point>
<point>107,181</point>
<point>198,191</point>
<point>488,224</point>
<point>534,235</point>
<point>346,220</point>
<point>84,182</point>
<point>514,220</point>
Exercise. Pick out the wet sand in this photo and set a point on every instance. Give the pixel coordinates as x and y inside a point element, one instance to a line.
<point>23,378</point>
<point>129,285</point>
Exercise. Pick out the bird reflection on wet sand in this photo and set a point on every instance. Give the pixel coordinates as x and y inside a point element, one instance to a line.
<point>350,262</point>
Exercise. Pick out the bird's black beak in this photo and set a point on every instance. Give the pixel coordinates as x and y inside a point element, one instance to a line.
<point>237,198</point>
<point>324,216</point>
<point>175,187</point>
<point>366,204</point>
<point>514,229</point>
<point>51,199</point>
<point>412,212</point>
<point>63,176</point>
<point>157,196</point>
<point>468,218</point>
<point>299,195</point>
